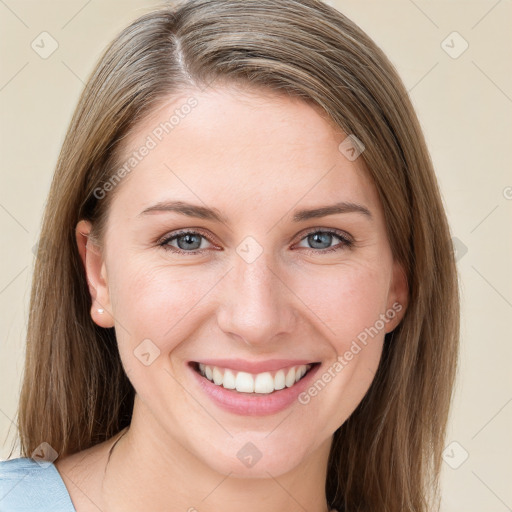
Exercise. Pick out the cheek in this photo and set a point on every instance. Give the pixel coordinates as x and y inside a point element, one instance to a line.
<point>157,303</point>
<point>345,300</point>
<point>350,304</point>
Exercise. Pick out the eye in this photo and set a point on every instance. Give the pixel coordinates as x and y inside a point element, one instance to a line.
<point>189,242</point>
<point>320,240</point>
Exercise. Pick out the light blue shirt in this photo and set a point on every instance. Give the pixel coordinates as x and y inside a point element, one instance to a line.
<point>28,486</point>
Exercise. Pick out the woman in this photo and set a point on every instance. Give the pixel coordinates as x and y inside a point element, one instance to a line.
<point>245,292</point>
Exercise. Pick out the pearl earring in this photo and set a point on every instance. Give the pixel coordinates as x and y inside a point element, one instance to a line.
<point>101,311</point>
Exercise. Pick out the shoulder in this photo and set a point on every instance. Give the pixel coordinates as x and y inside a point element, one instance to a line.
<point>27,485</point>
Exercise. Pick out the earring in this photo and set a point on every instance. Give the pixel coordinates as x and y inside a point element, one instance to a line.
<point>101,311</point>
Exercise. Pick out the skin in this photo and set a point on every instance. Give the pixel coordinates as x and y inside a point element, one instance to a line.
<point>255,156</point>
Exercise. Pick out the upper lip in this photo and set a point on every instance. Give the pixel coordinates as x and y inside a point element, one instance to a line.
<point>243,365</point>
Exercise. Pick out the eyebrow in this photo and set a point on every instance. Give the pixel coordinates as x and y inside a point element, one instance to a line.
<point>189,209</point>
<point>323,211</point>
<point>202,212</point>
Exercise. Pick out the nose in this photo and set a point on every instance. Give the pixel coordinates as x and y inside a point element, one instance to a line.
<point>256,305</point>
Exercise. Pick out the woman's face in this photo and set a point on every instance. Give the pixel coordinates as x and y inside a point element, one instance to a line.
<point>269,277</point>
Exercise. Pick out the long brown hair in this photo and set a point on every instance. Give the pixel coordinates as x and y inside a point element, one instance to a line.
<point>75,393</point>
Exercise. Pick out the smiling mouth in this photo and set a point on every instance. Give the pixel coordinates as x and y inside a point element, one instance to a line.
<point>257,384</point>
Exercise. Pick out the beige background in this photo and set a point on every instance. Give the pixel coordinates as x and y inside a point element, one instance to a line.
<point>465,107</point>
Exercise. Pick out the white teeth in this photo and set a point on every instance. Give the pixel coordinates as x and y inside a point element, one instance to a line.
<point>279,380</point>
<point>244,382</point>
<point>290,378</point>
<point>300,372</point>
<point>217,376</point>
<point>229,380</point>
<point>264,383</point>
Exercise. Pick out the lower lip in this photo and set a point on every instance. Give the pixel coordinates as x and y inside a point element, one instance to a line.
<point>248,404</point>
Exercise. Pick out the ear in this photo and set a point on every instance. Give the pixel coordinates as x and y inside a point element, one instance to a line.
<point>398,297</point>
<point>96,273</point>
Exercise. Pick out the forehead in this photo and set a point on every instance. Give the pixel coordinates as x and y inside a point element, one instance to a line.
<point>238,148</point>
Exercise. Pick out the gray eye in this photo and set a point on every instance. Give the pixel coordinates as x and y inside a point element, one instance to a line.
<point>317,240</point>
<point>189,241</point>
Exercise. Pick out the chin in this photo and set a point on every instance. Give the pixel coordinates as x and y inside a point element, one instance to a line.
<point>258,455</point>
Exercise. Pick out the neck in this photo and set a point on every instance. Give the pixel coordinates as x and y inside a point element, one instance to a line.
<point>149,469</point>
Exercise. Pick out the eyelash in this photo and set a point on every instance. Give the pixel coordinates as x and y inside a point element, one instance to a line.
<point>345,243</point>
